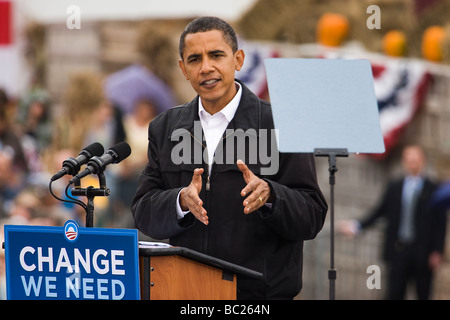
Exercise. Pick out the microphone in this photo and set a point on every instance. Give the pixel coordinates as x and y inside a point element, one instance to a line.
<point>97,164</point>
<point>72,166</point>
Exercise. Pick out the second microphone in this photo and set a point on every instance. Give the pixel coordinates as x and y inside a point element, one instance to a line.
<point>97,165</point>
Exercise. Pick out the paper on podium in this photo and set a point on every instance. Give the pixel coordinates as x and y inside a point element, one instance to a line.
<point>152,244</point>
<point>324,103</point>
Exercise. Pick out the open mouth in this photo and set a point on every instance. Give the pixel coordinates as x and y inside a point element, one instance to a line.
<point>209,82</point>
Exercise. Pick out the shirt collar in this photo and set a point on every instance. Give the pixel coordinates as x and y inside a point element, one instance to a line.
<point>414,178</point>
<point>416,181</point>
<point>228,111</point>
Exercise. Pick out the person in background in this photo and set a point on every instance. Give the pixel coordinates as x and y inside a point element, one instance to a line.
<point>87,117</point>
<point>149,78</point>
<point>415,231</point>
<point>136,126</point>
<point>15,166</point>
<point>34,118</point>
<point>10,140</point>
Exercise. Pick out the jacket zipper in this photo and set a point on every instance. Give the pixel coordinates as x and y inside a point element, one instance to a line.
<point>208,184</point>
<point>207,188</point>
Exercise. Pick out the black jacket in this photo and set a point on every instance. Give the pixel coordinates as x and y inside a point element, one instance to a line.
<point>269,240</point>
<point>430,223</point>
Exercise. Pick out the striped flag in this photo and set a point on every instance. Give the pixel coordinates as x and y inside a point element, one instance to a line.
<point>253,73</point>
<point>5,23</point>
<point>400,88</point>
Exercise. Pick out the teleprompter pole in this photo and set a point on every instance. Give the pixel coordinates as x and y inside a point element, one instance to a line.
<point>331,153</point>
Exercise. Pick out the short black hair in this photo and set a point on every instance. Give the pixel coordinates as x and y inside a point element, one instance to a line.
<point>204,24</point>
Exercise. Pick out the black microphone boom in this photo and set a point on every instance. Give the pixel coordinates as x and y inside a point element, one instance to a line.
<point>98,164</point>
<point>72,166</point>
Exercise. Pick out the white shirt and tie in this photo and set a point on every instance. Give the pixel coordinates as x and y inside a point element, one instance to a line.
<point>412,186</point>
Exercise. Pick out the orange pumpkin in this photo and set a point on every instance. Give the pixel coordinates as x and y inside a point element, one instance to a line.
<point>394,43</point>
<point>332,29</point>
<point>432,43</point>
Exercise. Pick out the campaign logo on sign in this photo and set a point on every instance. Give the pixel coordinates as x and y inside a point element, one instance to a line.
<point>71,231</point>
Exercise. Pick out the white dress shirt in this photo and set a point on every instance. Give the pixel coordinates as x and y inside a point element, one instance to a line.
<point>412,186</point>
<point>214,125</point>
<point>213,128</point>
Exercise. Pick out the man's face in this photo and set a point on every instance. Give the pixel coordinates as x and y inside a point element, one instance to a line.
<point>209,64</point>
<point>413,160</point>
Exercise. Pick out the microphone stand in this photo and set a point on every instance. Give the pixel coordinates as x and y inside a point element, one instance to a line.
<point>90,193</point>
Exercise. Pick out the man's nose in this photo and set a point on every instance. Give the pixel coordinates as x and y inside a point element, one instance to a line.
<point>207,66</point>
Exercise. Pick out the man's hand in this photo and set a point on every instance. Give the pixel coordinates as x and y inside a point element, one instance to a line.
<point>190,200</point>
<point>434,260</point>
<point>256,190</point>
<point>349,228</point>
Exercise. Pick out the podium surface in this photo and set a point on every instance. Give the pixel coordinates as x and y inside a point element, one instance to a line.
<point>178,273</point>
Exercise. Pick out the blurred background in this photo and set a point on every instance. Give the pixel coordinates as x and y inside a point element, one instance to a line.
<point>74,72</point>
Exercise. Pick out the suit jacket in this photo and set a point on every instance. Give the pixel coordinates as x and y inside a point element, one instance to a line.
<point>429,223</point>
<point>269,240</point>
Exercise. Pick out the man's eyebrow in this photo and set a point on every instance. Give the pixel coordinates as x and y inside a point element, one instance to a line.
<point>212,52</point>
<point>215,52</point>
<point>195,55</point>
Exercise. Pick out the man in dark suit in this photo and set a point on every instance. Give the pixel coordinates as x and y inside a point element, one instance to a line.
<point>197,191</point>
<point>415,232</point>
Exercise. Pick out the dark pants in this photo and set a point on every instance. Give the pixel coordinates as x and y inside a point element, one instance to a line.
<point>406,266</point>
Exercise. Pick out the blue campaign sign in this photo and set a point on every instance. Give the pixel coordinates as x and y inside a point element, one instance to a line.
<point>70,262</point>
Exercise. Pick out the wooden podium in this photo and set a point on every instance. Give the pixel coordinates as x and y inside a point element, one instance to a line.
<point>178,273</point>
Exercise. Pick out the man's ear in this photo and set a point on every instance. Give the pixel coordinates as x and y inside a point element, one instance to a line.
<point>239,56</point>
<point>183,68</point>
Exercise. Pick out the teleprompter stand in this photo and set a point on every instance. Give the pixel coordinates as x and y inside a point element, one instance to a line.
<point>326,107</point>
<point>332,154</point>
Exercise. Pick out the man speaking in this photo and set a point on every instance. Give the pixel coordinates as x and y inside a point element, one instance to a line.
<point>204,187</point>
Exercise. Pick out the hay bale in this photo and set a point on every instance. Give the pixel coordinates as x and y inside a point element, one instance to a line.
<point>289,20</point>
<point>295,21</point>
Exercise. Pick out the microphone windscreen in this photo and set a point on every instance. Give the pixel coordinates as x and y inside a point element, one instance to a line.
<point>94,150</point>
<point>122,150</point>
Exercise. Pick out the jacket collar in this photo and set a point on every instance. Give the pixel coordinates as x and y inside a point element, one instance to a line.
<point>247,114</point>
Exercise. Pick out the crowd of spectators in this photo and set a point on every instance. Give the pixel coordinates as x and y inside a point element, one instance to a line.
<point>36,136</point>
<point>37,133</point>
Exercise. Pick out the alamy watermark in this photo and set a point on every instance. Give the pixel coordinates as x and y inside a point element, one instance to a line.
<point>374,280</point>
<point>374,20</point>
<point>73,21</point>
<point>251,146</point>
